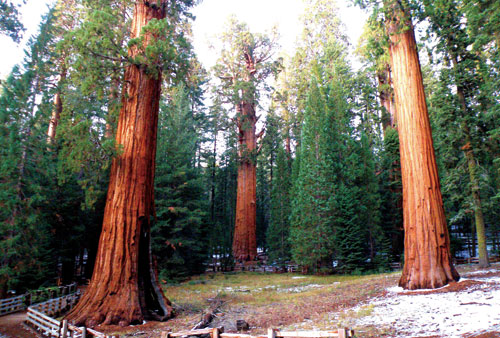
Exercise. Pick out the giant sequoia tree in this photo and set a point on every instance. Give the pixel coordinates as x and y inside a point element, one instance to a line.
<point>124,288</point>
<point>245,62</point>
<point>427,244</point>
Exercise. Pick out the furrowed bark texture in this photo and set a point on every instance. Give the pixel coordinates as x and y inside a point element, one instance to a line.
<point>124,288</point>
<point>245,243</point>
<point>427,246</point>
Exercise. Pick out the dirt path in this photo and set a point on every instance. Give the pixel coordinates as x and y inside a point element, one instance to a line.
<point>11,326</point>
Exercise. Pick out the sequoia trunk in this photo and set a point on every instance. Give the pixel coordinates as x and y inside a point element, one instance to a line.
<point>245,243</point>
<point>124,288</point>
<point>427,245</point>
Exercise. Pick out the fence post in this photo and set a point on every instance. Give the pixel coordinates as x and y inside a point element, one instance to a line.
<point>215,332</point>
<point>342,333</point>
<point>84,332</point>
<point>64,333</point>
<point>271,333</point>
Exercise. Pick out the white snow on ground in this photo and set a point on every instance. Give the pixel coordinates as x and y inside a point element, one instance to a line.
<point>480,272</point>
<point>294,289</point>
<point>451,314</point>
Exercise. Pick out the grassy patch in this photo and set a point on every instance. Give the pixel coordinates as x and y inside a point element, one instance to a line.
<point>288,301</point>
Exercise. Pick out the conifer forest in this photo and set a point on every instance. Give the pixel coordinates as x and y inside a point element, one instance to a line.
<point>125,163</point>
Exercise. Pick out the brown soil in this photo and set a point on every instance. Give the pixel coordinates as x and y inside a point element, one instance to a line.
<point>12,326</point>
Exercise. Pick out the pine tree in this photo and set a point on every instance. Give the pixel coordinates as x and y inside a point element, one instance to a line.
<point>277,234</point>
<point>10,25</point>
<point>312,233</point>
<point>178,234</point>
<point>28,258</point>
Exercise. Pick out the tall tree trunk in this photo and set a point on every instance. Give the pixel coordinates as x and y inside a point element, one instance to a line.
<point>124,288</point>
<point>427,245</point>
<point>386,97</point>
<point>471,165</point>
<point>476,199</point>
<point>58,108</point>
<point>245,243</point>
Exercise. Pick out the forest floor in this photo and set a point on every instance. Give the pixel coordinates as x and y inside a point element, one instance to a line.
<point>372,305</point>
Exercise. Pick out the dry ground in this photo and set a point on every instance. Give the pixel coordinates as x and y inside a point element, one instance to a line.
<point>288,301</point>
<point>285,301</point>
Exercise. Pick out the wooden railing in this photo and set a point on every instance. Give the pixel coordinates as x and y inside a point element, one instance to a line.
<point>271,333</point>
<point>51,327</point>
<point>475,260</point>
<point>40,319</point>
<point>54,307</point>
<point>20,303</point>
<point>13,304</point>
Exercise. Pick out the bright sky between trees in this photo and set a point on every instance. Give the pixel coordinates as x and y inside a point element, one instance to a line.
<point>211,16</point>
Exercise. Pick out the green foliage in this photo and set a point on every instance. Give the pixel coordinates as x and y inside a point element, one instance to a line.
<point>26,171</point>
<point>391,210</point>
<point>9,20</point>
<point>178,234</point>
<point>246,60</point>
<point>277,235</point>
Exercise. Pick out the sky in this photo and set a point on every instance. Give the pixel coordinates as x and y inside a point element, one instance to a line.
<point>211,16</point>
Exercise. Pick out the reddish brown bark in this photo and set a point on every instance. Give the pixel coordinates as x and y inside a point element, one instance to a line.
<point>427,246</point>
<point>124,288</point>
<point>245,242</point>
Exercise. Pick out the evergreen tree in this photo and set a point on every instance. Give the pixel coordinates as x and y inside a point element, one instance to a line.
<point>10,25</point>
<point>312,233</point>
<point>27,191</point>
<point>179,234</point>
<point>277,235</point>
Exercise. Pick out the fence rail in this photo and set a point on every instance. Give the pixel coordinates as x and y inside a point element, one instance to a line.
<point>475,260</point>
<point>11,305</point>
<point>20,303</point>
<point>271,333</point>
<point>39,318</point>
<point>54,307</point>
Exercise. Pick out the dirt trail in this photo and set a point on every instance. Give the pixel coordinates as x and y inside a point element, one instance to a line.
<point>11,326</point>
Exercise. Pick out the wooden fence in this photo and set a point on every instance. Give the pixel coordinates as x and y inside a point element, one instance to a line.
<point>54,307</point>
<point>50,327</point>
<point>40,318</point>
<point>20,303</point>
<point>475,260</point>
<point>11,305</point>
<point>271,333</point>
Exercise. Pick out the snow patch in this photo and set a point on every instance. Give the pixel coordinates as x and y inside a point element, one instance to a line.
<point>295,289</point>
<point>450,314</point>
<point>480,272</point>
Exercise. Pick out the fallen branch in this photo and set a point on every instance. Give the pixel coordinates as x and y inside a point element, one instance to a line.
<point>209,315</point>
